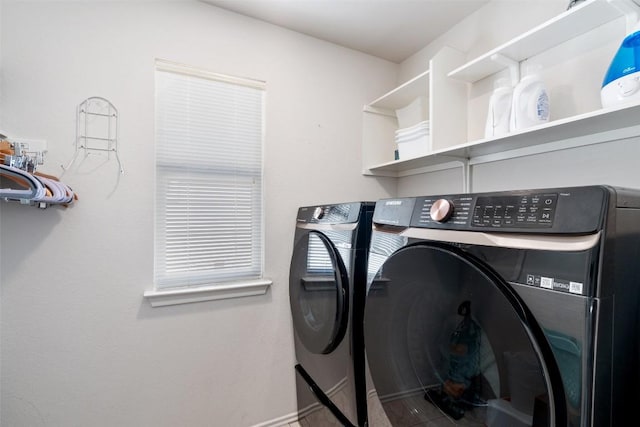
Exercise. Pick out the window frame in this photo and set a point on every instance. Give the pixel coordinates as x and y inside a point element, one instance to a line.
<point>211,289</point>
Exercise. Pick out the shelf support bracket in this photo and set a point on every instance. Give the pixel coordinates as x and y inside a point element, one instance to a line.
<point>512,65</point>
<point>466,166</point>
<point>466,175</point>
<point>630,11</point>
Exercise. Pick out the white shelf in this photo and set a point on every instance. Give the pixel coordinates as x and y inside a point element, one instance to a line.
<point>447,102</point>
<point>566,26</point>
<point>446,109</point>
<point>585,129</point>
<point>403,94</point>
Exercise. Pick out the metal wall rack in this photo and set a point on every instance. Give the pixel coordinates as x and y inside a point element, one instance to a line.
<point>96,129</point>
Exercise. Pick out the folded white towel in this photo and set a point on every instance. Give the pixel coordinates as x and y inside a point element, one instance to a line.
<point>419,128</point>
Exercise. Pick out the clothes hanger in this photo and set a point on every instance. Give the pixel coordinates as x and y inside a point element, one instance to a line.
<point>60,192</point>
<point>32,188</point>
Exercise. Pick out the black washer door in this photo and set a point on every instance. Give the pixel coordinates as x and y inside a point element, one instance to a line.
<point>318,293</point>
<point>447,338</point>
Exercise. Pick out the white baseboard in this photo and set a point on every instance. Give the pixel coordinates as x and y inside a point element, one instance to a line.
<point>285,420</point>
<point>282,421</point>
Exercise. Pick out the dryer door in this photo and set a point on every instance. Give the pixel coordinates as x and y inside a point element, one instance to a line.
<point>318,293</point>
<point>449,341</point>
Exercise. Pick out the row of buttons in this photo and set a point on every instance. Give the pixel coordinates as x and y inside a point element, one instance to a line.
<point>508,220</point>
<point>507,211</point>
<point>515,211</point>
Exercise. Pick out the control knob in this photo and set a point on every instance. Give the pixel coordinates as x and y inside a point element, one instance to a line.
<point>441,210</point>
<point>318,213</point>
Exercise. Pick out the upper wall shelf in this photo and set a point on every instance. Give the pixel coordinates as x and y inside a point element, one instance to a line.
<point>572,23</point>
<point>404,94</point>
<point>445,111</point>
<point>591,128</point>
<point>448,107</point>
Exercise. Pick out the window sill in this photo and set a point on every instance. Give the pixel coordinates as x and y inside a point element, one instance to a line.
<point>160,298</point>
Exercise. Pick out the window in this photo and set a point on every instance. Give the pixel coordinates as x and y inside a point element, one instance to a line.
<point>208,201</point>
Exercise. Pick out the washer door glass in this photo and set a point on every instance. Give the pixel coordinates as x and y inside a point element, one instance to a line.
<point>318,293</point>
<point>448,341</point>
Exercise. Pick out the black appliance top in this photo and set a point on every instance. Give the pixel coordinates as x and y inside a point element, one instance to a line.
<point>340,213</point>
<point>555,210</point>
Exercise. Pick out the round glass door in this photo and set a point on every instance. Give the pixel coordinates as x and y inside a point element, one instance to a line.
<point>448,342</point>
<point>318,293</point>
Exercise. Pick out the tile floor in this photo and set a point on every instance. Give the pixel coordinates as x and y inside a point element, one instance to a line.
<point>411,411</point>
<point>415,411</point>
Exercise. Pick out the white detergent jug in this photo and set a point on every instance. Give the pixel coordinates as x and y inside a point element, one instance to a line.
<point>530,105</point>
<point>499,113</point>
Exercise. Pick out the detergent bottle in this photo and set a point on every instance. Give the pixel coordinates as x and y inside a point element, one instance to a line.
<point>530,106</point>
<point>499,112</point>
<point>622,80</point>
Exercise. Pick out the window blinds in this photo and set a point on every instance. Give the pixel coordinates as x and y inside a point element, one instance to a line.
<point>209,132</point>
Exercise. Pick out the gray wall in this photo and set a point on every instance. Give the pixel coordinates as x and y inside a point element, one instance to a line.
<point>80,345</point>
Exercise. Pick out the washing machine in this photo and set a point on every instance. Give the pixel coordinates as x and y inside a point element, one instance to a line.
<point>509,309</point>
<point>327,285</point>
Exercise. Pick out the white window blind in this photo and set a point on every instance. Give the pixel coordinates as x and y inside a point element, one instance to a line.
<point>209,134</point>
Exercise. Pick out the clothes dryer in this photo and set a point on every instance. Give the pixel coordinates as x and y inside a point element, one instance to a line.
<point>505,309</point>
<point>327,283</point>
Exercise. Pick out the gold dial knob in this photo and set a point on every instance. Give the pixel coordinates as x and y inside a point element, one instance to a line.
<point>318,213</point>
<point>441,210</point>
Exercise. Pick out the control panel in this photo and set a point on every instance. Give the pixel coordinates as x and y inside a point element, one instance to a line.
<point>342,213</point>
<point>528,210</point>
<point>561,210</point>
<point>431,210</point>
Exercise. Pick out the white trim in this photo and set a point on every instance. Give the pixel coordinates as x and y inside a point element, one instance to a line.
<point>282,421</point>
<point>402,394</point>
<point>316,405</point>
<point>174,67</point>
<point>161,298</point>
<point>294,417</point>
<point>310,409</point>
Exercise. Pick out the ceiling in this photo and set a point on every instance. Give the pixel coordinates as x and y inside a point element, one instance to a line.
<point>389,29</point>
